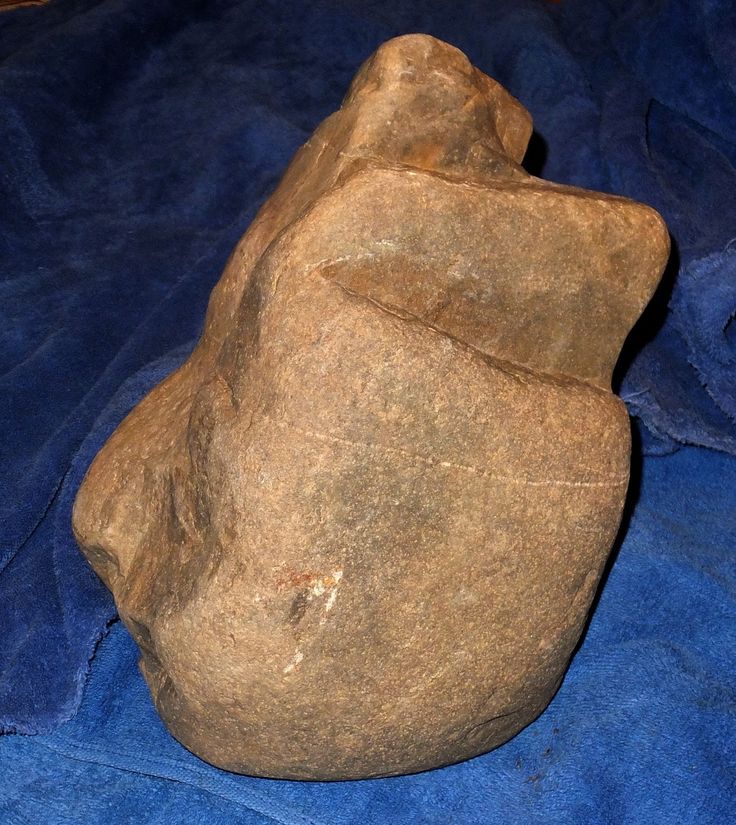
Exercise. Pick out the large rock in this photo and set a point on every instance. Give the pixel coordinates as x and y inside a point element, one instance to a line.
<point>358,532</point>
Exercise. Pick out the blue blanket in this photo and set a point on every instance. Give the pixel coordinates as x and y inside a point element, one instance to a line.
<point>137,139</point>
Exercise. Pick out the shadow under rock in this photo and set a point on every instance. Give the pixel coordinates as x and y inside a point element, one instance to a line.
<point>536,155</point>
<point>642,333</point>
<point>651,320</point>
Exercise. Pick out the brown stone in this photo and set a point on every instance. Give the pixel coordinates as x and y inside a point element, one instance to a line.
<point>358,532</point>
<point>9,5</point>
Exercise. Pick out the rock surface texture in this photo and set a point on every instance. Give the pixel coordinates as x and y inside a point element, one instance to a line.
<point>358,532</point>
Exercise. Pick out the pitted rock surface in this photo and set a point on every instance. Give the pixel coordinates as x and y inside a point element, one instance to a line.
<point>358,532</point>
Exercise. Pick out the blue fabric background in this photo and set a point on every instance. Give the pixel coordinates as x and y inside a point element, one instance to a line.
<point>137,139</point>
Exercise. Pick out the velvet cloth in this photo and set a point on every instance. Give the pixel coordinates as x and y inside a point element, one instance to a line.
<point>137,139</point>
